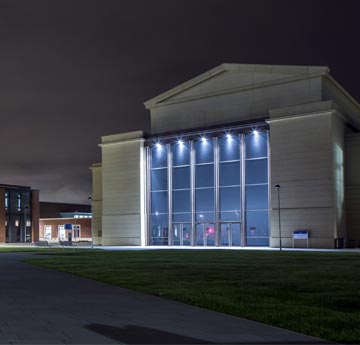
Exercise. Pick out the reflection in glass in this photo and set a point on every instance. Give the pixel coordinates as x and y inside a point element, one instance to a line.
<point>204,216</point>
<point>159,229</point>
<point>181,234</point>
<point>205,234</point>
<point>231,216</point>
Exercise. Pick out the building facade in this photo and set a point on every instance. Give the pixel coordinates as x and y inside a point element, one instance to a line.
<point>19,214</point>
<point>204,176</point>
<point>59,222</point>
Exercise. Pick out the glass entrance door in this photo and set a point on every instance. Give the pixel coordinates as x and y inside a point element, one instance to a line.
<point>230,234</point>
<point>205,234</point>
<point>181,234</point>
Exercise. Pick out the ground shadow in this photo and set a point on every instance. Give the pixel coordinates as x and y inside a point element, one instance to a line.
<point>130,334</point>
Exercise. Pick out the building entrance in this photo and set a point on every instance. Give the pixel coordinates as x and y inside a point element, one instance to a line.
<point>230,234</point>
<point>205,234</point>
<point>182,234</point>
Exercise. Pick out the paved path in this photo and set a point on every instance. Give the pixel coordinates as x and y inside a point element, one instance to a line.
<point>42,306</point>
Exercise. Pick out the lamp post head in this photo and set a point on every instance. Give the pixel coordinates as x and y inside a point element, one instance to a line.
<point>277,186</point>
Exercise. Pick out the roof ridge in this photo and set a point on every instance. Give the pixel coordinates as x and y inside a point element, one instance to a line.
<point>287,69</point>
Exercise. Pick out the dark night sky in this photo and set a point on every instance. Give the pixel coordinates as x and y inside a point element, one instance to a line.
<point>72,71</point>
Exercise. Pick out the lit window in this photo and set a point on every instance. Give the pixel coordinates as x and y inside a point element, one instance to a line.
<point>6,200</point>
<point>18,201</point>
<point>47,231</point>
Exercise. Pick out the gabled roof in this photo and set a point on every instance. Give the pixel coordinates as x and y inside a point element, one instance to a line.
<point>291,71</point>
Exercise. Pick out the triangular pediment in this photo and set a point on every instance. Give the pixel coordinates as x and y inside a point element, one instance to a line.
<point>232,77</point>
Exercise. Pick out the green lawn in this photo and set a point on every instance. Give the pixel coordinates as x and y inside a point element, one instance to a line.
<point>315,293</point>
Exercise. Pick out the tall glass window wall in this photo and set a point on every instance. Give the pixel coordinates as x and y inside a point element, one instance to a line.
<point>181,194</point>
<point>230,190</point>
<point>204,192</point>
<point>256,189</point>
<point>159,198</point>
<point>216,189</point>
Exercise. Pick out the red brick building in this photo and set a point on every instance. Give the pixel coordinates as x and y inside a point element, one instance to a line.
<point>60,221</point>
<point>19,214</point>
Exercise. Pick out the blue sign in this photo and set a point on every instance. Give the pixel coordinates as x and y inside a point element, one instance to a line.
<point>68,226</point>
<point>301,235</point>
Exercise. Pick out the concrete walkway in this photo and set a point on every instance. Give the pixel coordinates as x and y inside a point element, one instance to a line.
<point>42,306</point>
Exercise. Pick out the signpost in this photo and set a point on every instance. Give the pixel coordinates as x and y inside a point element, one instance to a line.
<point>301,235</point>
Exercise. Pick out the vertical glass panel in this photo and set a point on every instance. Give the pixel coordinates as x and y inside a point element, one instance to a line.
<point>199,235</point>
<point>181,201</point>
<point>176,234</point>
<point>256,145</point>
<point>204,200</point>
<point>224,234</point>
<point>181,178</point>
<point>204,175</point>
<point>181,234</point>
<point>257,228</point>
<point>229,174</point>
<point>180,153</point>
<point>186,235</point>
<point>204,151</point>
<point>256,171</point>
<point>257,197</point>
<point>159,156</point>
<point>229,199</point>
<point>159,229</point>
<point>235,234</point>
<point>209,235</point>
<point>159,202</point>
<point>159,180</point>
<point>229,149</point>
<point>205,234</point>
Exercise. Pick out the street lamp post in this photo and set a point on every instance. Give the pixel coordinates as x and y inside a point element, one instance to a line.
<point>92,235</point>
<point>277,186</point>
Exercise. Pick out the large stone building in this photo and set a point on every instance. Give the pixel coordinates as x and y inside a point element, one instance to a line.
<point>204,176</point>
